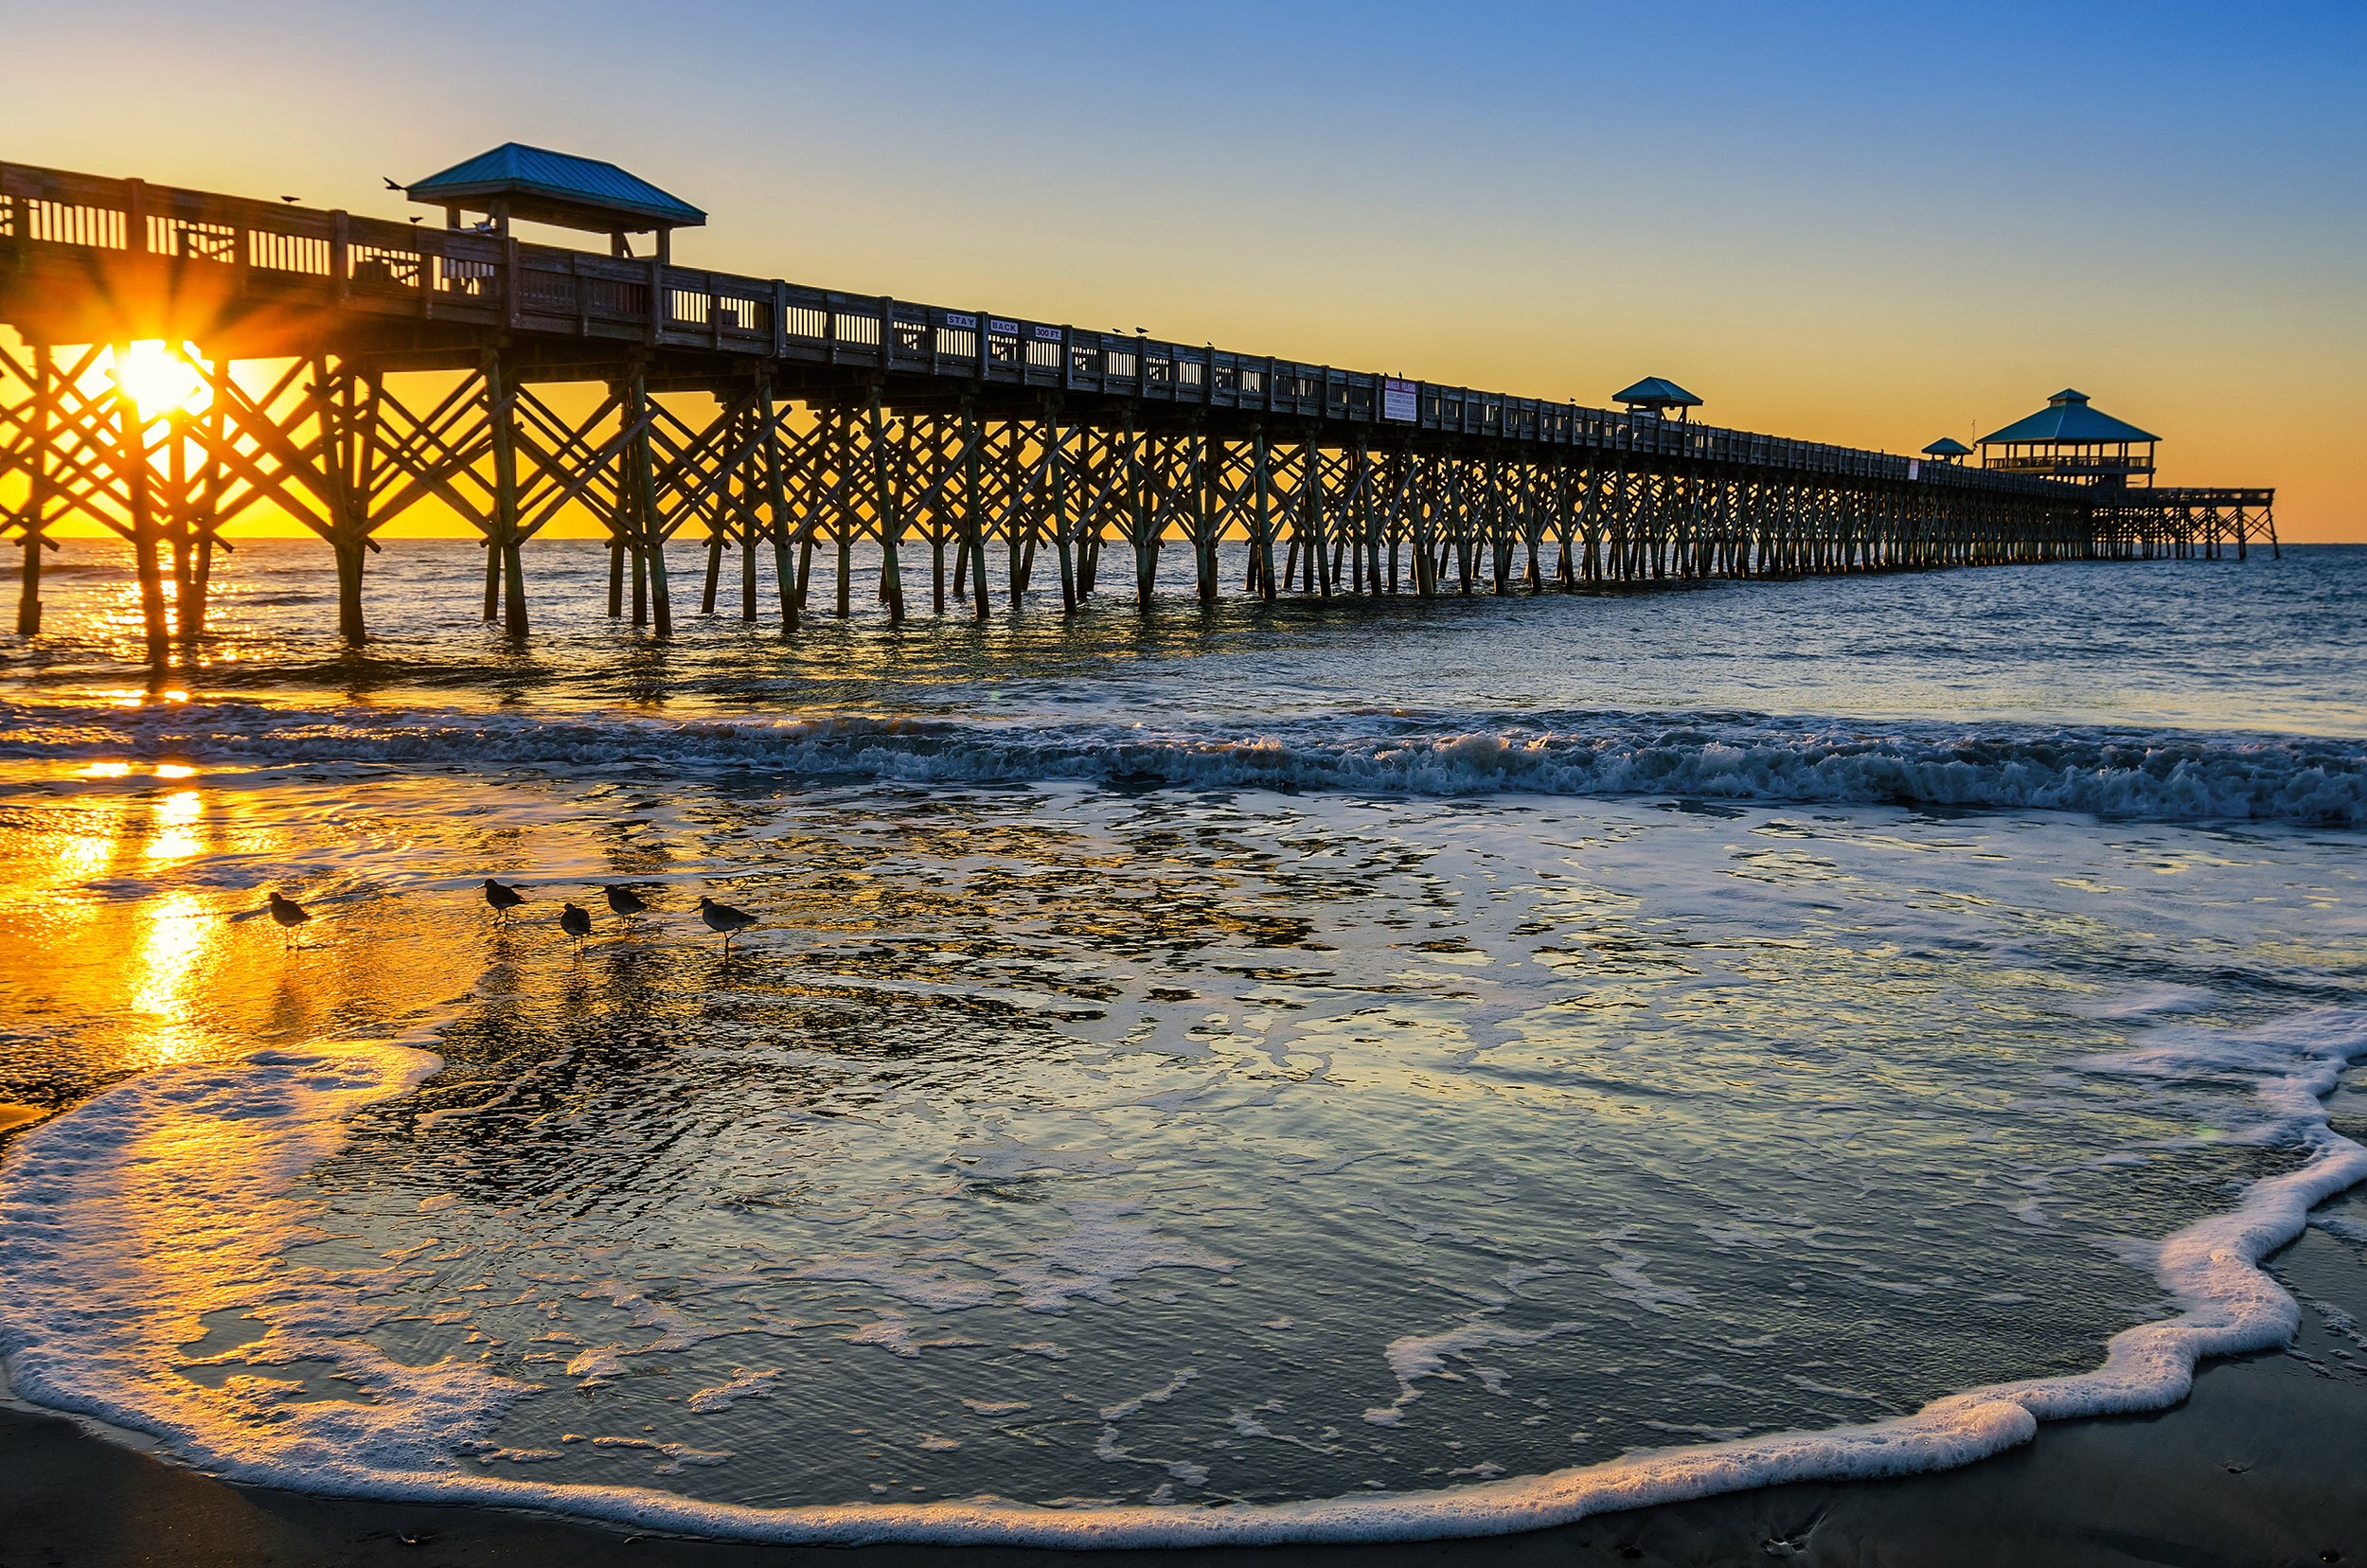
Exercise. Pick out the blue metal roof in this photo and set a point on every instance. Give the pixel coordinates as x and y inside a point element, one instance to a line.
<point>1948,446</point>
<point>1658,391</point>
<point>584,188</point>
<point>2068,419</point>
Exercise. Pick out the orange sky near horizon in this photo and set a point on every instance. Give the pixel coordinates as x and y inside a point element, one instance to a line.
<point>1819,244</point>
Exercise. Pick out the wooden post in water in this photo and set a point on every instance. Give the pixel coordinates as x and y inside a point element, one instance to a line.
<point>349,525</point>
<point>492,536</point>
<point>973,503</point>
<point>1140,514</point>
<point>179,522</point>
<point>208,512</point>
<point>843,529</point>
<point>777,510</point>
<point>34,518</point>
<point>140,503</point>
<point>1055,455</point>
<point>649,572</point>
<point>1204,524</point>
<point>890,515</point>
<point>1312,518</point>
<point>501,407</point>
<point>1261,521</point>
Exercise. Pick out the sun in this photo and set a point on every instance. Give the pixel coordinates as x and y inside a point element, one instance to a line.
<point>159,382</point>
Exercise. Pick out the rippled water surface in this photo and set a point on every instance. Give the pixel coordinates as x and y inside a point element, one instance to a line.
<point>1260,1055</point>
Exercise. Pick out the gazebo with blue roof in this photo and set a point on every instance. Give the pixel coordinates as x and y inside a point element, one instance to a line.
<point>2069,439</point>
<point>541,187</point>
<point>1657,396</point>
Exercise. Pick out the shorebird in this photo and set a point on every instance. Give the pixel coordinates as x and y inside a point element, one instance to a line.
<point>288,913</point>
<point>622,900</point>
<point>725,919</point>
<point>502,897</point>
<point>576,922</point>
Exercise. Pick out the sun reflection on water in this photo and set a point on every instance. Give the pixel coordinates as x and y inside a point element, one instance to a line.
<point>176,818</point>
<point>175,931</point>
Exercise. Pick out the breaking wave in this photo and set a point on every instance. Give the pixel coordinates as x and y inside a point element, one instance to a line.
<point>2123,774</point>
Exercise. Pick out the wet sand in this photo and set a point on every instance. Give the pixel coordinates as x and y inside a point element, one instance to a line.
<point>2265,1464</point>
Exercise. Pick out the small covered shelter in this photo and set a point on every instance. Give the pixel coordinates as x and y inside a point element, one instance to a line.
<point>1657,396</point>
<point>1948,449</point>
<point>2072,440</point>
<point>515,181</point>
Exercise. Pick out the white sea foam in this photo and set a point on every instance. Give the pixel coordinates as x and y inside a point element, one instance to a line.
<point>1414,1358</point>
<point>2163,776</point>
<point>176,1195</point>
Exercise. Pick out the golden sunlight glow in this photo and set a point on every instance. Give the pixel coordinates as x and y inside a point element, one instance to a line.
<point>108,770</point>
<point>175,770</point>
<point>81,855</point>
<point>160,380</point>
<point>177,928</point>
<point>176,818</point>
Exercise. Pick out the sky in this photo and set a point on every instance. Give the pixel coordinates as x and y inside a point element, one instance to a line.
<point>1873,224</point>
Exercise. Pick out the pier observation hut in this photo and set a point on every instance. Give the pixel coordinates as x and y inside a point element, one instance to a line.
<point>2072,440</point>
<point>1657,396</point>
<point>515,181</point>
<point>1948,449</point>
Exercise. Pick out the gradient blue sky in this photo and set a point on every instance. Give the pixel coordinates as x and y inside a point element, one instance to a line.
<point>1863,223</point>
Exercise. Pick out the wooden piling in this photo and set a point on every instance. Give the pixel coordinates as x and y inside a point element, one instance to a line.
<point>974,552</point>
<point>137,479</point>
<point>776,510</point>
<point>649,591</point>
<point>34,520</point>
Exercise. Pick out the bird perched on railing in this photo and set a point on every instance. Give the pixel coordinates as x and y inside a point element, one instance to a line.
<point>575,922</point>
<point>622,900</point>
<point>725,919</point>
<point>502,897</point>
<point>288,913</point>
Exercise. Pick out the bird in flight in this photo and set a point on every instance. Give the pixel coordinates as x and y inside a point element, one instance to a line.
<point>623,900</point>
<point>502,897</point>
<point>288,913</point>
<point>725,919</point>
<point>391,185</point>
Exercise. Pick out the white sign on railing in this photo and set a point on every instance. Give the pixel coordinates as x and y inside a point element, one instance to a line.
<point>967,323</point>
<point>1397,400</point>
<point>1008,327</point>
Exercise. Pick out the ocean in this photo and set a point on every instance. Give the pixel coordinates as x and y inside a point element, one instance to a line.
<point>1256,1073</point>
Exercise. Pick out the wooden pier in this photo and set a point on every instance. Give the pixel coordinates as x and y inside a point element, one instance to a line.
<point>380,365</point>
